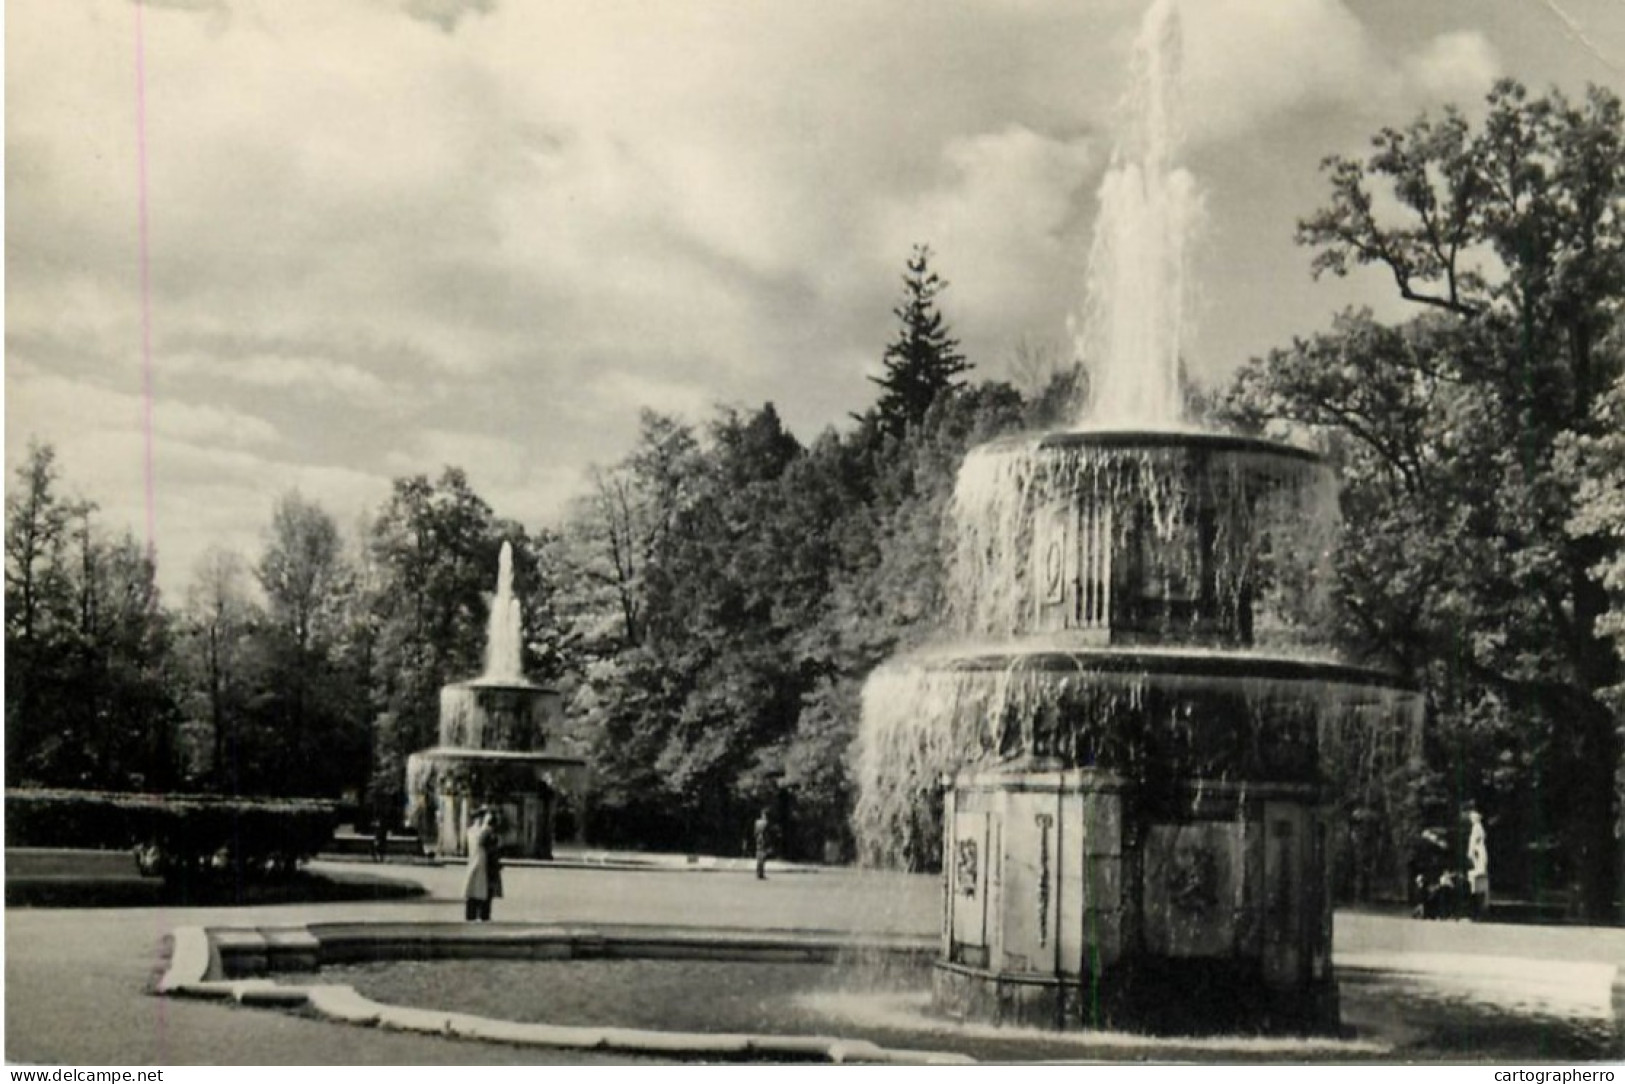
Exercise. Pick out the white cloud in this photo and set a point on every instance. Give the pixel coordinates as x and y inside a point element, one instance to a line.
<point>506,473</point>
<point>1249,61</point>
<point>389,233</point>
<point>446,14</point>
<point>1455,67</point>
<point>1253,62</point>
<point>58,402</point>
<point>1004,222</point>
<point>617,390</point>
<point>214,471</point>
<point>305,375</point>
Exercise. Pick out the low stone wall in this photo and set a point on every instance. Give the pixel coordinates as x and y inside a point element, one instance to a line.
<point>235,964</point>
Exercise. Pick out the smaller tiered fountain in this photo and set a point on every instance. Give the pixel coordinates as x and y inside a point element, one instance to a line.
<point>494,733</point>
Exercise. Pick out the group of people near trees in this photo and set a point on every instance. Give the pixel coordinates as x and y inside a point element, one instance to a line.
<point>1442,887</point>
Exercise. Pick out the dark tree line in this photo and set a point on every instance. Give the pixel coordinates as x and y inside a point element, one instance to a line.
<point>709,608</point>
<point>90,665</point>
<point>311,668</point>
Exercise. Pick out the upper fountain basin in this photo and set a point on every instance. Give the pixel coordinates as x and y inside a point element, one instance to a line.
<point>1145,536</point>
<point>1172,436</point>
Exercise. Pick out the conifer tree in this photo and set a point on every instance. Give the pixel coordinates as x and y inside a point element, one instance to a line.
<point>923,361</point>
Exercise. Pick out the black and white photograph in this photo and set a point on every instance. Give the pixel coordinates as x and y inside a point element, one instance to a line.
<point>896,533</point>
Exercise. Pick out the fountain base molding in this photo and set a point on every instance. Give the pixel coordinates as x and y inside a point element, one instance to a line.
<point>1076,899</point>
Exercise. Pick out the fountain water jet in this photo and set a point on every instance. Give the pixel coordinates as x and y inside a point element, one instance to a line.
<point>492,750</point>
<point>503,638</point>
<point>1136,317</point>
<point>1126,734</point>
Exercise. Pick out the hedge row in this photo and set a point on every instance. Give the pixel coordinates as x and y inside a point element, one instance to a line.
<point>176,834</point>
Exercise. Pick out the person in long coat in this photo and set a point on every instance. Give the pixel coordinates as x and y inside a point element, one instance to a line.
<point>477,880</point>
<point>493,857</point>
<point>763,829</point>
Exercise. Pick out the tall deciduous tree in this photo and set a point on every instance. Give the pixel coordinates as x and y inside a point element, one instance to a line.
<point>1597,460</point>
<point>36,524</point>
<point>923,362</point>
<point>1464,566</point>
<point>303,572</point>
<point>219,622</point>
<point>127,677</point>
<point>435,547</point>
<point>305,705</point>
<point>89,658</point>
<point>38,604</point>
<point>619,529</point>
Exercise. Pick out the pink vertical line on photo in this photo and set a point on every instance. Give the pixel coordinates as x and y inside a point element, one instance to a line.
<point>144,248</point>
<point>161,1018</point>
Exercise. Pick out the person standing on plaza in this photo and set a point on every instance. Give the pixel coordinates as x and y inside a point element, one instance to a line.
<point>493,859</point>
<point>764,843</point>
<point>1478,866</point>
<point>380,836</point>
<point>477,879</point>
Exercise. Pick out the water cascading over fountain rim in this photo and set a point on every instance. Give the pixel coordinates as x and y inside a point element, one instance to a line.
<point>485,681</point>
<point>1170,440</point>
<point>1192,739</point>
<point>1019,657</point>
<point>1270,503</point>
<point>1169,437</point>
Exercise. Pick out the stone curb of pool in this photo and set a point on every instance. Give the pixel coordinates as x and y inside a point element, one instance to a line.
<point>645,864</point>
<point>229,964</point>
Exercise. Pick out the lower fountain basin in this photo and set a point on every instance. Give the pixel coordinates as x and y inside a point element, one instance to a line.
<point>1065,654</point>
<point>1129,836</point>
<point>447,783</point>
<point>1156,716</point>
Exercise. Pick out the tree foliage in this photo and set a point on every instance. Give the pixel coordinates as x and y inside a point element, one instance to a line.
<point>90,681</point>
<point>1463,438</point>
<point>769,579</point>
<point>1597,461</point>
<point>218,625</point>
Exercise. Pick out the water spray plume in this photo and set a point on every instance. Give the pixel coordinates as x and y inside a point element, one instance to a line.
<point>1136,322</point>
<point>503,637</point>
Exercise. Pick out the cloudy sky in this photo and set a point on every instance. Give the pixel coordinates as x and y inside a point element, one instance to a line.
<point>386,235</point>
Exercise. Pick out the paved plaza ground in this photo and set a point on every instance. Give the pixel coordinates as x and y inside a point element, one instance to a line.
<point>76,979</point>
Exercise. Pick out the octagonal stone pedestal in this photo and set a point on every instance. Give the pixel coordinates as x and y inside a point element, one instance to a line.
<point>1074,899</point>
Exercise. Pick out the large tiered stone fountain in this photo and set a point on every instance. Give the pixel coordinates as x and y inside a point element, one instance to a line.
<point>496,733</point>
<point>1125,733</point>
